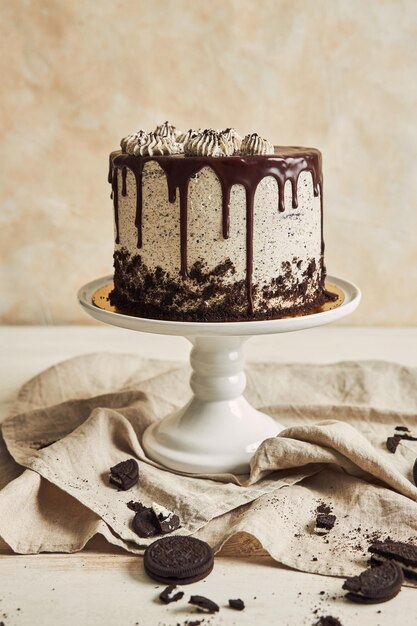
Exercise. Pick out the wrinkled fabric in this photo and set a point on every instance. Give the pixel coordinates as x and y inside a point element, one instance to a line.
<point>74,421</point>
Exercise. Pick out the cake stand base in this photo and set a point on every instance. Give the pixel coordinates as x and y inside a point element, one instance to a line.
<point>166,444</point>
<point>218,430</point>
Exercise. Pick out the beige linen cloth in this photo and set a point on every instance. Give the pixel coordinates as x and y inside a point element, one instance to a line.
<point>75,420</point>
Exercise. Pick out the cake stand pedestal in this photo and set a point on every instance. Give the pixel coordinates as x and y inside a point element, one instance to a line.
<point>218,430</point>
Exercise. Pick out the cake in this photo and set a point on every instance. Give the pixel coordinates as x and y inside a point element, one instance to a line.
<point>212,227</point>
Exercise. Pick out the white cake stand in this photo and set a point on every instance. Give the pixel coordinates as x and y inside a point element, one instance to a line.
<point>218,430</point>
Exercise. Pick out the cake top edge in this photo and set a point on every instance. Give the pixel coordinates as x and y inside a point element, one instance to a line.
<point>167,140</point>
<point>279,152</point>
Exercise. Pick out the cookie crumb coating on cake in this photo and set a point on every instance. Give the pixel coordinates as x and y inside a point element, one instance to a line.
<point>217,235</point>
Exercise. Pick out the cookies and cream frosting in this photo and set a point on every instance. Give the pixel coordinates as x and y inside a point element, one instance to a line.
<point>254,144</point>
<point>129,142</point>
<point>233,137</point>
<point>149,144</point>
<point>208,143</point>
<point>167,130</point>
<point>166,139</point>
<point>184,137</point>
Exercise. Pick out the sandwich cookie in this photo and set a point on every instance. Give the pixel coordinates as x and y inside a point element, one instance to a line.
<point>403,554</point>
<point>125,474</point>
<point>377,584</point>
<point>178,560</point>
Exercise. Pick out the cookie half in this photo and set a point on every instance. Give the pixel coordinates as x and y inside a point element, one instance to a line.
<point>144,523</point>
<point>178,560</point>
<point>377,584</point>
<point>403,554</point>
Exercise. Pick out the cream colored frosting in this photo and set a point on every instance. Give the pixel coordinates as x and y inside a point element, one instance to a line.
<point>208,143</point>
<point>254,144</point>
<point>129,143</point>
<point>157,145</point>
<point>166,139</point>
<point>168,130</point>
<point>184,137</point>
<point>149,144</point>
<point>233,137</point>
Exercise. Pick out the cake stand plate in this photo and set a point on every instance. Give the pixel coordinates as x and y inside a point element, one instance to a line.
<point>218,430</point>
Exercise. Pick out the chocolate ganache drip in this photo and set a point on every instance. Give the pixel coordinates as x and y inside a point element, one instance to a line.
<point>286,164</point>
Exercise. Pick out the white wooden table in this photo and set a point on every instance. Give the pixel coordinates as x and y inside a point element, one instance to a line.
<point>105,586</point>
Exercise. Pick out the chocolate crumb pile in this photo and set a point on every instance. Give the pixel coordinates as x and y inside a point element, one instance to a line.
<point>324,508</point>
<point>328,620</point>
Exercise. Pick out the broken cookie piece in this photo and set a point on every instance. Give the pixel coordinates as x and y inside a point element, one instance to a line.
<point>125,474</point>
<point>392,443</point>
<point>377,584</point>
<point>136,506</point>
<point>153,520</point>
<point>204,604</point>
<point>237,604</point>
<point>324,523</point>
<point>170,594</point>
<point>144,523</point>
<point>167,521</point>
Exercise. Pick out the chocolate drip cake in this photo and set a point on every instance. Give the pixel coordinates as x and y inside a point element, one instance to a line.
<point>210,227</point>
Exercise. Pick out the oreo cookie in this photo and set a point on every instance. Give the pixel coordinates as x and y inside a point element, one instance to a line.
<point>377,584</point>
<point>144,523</point>
<point>324,523</point>
<point>178,560</point>
<point>415,472</point>
<point>403,554</point>
<point>204,604</point>
<point>125,474</point>
<point>170,594</point>
<point>154,520</point>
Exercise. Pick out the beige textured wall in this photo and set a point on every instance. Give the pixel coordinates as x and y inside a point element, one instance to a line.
<point>77,75</point>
